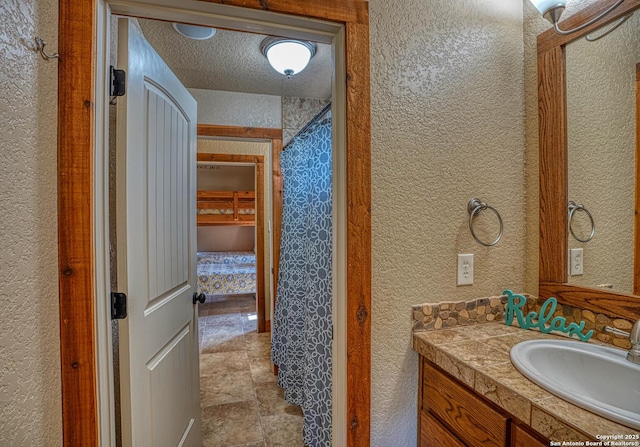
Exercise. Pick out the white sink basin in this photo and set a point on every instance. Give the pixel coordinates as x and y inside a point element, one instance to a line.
<point>597,378</point>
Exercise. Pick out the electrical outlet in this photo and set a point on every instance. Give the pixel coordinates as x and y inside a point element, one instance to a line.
<point>465,270</point>
<point>576,260</point>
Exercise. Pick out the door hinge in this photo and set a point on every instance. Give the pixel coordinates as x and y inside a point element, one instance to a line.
<point>117,82</point>
<point>118,306</point>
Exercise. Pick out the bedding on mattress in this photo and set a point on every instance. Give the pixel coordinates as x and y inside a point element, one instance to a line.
<point>223,211</point>
<point>226,273</point>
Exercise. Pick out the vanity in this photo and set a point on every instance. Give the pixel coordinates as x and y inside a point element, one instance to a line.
<point>471,418</point>
<point>470,394</point>
<point>467,418</point>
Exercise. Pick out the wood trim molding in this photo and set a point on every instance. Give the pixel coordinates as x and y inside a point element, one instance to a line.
<point>552,110</point>
<point>260,258</point>
<point>76,149</point>
<point>636,220</point>
<point>614,304</point>
<point>230,158</point>
<point>343,11</point>
<point>76,276</point>
<point>277,198</point>
<point>214,130</point>
<point>358,235</point>
<point>420,397</point>
<point>553,165</point>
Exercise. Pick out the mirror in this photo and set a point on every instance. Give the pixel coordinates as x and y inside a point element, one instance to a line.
<point>557,55</point>
<point>601,140</point>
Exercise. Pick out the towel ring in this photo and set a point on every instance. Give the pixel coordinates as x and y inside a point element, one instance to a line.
<point>475,206</point>
<point>573,207</point>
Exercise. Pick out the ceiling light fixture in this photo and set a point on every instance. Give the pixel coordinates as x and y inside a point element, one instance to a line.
<point>553,9</point>
<point>287,56</point>
<point>194,32</point>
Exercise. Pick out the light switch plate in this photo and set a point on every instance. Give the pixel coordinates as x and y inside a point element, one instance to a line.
<point>465,270</point>
<point>576,262</point>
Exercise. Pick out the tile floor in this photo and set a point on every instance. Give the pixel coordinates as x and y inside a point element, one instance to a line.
<point>242,404</point>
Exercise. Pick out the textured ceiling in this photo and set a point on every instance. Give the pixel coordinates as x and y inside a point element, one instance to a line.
<point>232,61</point>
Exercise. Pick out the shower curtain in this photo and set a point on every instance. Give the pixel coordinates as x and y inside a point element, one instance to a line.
<point>302,327</point>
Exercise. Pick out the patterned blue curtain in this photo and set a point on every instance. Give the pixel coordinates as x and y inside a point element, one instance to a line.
<point>302,326</point>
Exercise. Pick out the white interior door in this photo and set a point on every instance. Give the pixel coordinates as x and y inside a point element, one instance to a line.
<point>156,210</point>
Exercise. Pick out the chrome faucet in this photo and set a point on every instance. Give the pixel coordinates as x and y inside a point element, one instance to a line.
<point>634,336</point>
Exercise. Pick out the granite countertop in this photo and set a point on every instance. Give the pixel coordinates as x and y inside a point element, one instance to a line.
<point>478,355</point>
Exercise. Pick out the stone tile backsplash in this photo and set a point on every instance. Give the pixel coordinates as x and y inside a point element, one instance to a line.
<point>449,314</point>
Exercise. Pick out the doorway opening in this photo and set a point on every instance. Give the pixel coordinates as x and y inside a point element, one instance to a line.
<point>226,233</point>
<point>85,329</point>
<point>234,347</point>
<point>248,357</point>
<point>234,237</point>
<point>230,259</point>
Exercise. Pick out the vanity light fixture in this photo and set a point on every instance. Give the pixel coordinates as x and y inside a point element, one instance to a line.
<point>194,32</point>
<point>592,38</point>
<point>287,56</point>
<point>553,9</point>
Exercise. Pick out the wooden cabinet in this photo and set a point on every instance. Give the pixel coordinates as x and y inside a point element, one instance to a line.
<point>524,437</point>
<point>452,414</point>
<point>434,434</point>
<point>476,423</point>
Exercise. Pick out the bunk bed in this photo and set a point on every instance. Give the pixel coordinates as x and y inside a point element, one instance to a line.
<point>226,273</point>
<point>226,208</point>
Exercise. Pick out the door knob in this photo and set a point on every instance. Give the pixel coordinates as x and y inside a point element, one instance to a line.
<point>198,297</point>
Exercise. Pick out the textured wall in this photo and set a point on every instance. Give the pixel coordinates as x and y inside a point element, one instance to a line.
<point>296,113</point>
<point>30,407</point>
<point>249,148</point>
<point>534,24</point>
<point>238,109</point>
<point>601,93</point>
<point>447,125</point>
<point>218,238</point>
<point>225,177</point>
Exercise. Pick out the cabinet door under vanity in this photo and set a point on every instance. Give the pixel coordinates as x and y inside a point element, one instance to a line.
<point>522,437</point>
<point>451,415</point>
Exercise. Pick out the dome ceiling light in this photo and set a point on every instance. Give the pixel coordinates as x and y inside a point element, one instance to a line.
<point>194,32</point>
<point>287,56</point>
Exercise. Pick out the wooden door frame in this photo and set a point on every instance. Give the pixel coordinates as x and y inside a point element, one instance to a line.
<point>636,219</point>
<point>77,216</point>
<point>258,162</point>
<point>275,137</point>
